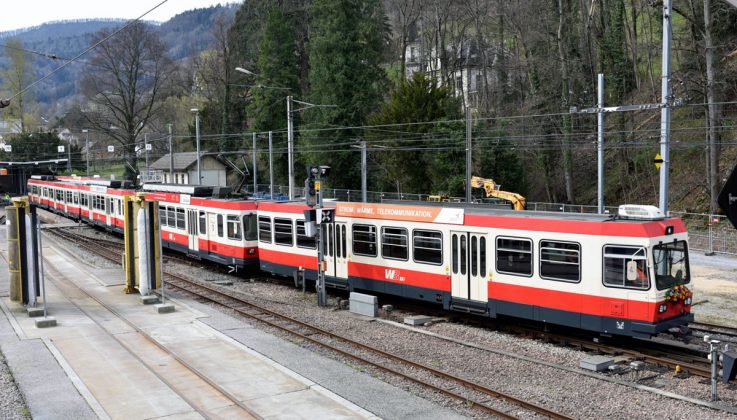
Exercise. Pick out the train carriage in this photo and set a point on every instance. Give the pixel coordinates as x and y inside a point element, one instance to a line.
<point>196,222</point>
<point>623,274</point>
<point>599,273</point>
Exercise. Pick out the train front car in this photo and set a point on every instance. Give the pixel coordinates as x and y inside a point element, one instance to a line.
<point>669,296</point>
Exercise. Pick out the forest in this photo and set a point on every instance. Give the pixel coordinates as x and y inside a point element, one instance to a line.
<point>403,76</point>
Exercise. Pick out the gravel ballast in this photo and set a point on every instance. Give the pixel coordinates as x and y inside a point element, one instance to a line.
<point>571,393</point>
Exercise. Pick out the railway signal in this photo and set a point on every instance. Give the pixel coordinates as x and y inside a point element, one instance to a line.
<point>313,198</point>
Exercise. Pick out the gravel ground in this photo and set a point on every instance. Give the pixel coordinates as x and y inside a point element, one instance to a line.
<point>12,405</point>
<point>551,387</point>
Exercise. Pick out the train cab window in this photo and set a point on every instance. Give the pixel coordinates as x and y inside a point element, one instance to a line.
<point>394,244</point>
<point>234,228</point>
<point>264,229</point>
<point>560,261</point>
<point>671,264</point>
<point>203,223</point>
<point>162,216</point>
<point>626,266</point>
<point>250,227</point>
<point>304,241</point>
<point>514,256</point>
<point>220,225</point>
<point>180,219</point>
<point>364,240</point>
<point>427,246</point>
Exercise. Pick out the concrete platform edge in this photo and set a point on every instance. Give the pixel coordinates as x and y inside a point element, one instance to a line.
<point>77,381</point>
<point>308,383</point>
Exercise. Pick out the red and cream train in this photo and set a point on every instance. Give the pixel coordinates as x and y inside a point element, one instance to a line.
<point>613,275</point>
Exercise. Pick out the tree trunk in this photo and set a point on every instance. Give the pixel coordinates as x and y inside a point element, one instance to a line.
<point>713,110</point>
<point>565,99</point>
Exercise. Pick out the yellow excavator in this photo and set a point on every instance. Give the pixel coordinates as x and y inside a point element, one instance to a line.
<point>492,189</point>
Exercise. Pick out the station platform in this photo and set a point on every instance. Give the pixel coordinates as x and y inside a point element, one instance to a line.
<point>112,357</point>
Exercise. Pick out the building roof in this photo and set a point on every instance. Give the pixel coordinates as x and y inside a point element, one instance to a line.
<point>182,161</point>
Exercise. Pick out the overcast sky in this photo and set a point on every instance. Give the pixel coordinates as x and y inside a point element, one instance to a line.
<point>25,13</point>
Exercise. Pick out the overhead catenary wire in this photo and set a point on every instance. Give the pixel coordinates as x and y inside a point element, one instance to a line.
<point>88,49</point>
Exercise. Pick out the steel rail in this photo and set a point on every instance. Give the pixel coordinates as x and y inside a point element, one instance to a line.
<point>187,285</point>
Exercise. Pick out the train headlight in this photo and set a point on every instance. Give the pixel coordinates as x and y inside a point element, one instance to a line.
<point>662,308</point>
<point>687,301</point>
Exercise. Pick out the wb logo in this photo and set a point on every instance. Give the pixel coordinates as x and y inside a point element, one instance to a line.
<point>391,274</point>
<point>620,325</point>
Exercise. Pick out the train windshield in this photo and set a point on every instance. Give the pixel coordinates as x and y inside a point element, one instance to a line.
<point>671,264</point>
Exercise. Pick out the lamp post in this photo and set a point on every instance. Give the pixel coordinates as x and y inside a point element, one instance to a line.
<point>87,148</point>
<point>290,134</point>
<point>197,140</point>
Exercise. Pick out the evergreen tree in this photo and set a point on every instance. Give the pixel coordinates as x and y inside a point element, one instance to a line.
<point>277,68</point>
<point>414,101</point>
<point>346,50</point>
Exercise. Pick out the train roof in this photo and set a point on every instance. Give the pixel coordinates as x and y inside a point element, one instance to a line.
<point>412,210</point>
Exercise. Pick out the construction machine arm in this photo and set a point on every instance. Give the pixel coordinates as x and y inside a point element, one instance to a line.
<point>492,190</point>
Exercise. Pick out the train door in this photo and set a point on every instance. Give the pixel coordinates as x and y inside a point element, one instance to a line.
<point>336,249</point>
<point>469,265</point>
<point>192,223</point>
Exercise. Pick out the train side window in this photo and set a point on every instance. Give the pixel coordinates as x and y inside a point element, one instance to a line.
<point>626,266</point>
<point>331,240</point>
<point>283,232</point>
<point>482,252</point>
<point>454,254</point>
<point>304,241</point>
<point>162,215</point>
<point>394,244</point>
<point>560,261</point>
<point>264,229</point>
<point>180,219</point>
<point>514,256</point>
<point>427,246</point>
<point>343,234</point>
<point>220,225</point>
<point>474,256</point>
<point>464,254</point>
<point>250,227</point>
<point>171,216</point>
<point>203,222</point>
<point>338,246</point>
<point>234,228</point>
<point>364,240</point>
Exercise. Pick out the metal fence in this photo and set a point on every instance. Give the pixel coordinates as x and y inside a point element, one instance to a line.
<point>712,234</point>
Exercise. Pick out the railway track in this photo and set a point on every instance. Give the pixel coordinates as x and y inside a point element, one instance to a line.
<point>663,354</point>
<point>722,330</point>
<point>472,393</point>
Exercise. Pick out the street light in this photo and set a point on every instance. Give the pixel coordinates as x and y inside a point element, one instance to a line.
<point>197,137</point>
<point>290,135</point>
<point>246,71</point>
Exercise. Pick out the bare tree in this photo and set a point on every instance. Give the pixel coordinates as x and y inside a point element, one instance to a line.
<point>126,83</point>
<point>15,79</point>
